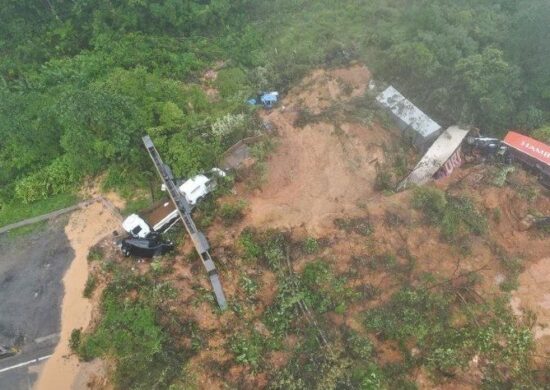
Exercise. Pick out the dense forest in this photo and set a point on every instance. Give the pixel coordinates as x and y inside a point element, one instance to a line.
<point>82,80</point>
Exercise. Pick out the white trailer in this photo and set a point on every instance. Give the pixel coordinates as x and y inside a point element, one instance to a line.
<point>194,190</point>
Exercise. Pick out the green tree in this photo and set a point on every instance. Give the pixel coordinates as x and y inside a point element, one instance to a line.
<point>487,87</point>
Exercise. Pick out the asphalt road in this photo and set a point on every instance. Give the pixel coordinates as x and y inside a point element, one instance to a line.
<point>31,291</point>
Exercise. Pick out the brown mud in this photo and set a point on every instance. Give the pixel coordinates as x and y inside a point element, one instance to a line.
<point>85,228</point>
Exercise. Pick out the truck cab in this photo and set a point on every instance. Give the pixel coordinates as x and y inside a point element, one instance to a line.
<point>136,226</point>
<point>197,187</point>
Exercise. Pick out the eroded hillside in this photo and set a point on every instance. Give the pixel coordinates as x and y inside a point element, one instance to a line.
<point>333,283</point>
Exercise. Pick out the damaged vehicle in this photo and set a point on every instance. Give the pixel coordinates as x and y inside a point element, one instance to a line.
<point>151,246</point>
<point>6,351</point>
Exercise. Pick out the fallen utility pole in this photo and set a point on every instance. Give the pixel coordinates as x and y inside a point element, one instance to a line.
<point>184,211</point>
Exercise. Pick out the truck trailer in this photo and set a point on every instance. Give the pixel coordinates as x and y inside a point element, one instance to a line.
<point>530,152</point>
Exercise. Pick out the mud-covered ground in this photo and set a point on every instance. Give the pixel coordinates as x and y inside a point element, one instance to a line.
<point>32,266</point>
<point>324,170</point>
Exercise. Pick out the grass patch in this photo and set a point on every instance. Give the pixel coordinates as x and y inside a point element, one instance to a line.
<point>513,267</point>
<point>18,211</point>
<point>28,229</point>
<point>135,205</point>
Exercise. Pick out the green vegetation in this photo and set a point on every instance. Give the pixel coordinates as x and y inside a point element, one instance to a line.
<point>137,330</point>
<point>248,350</point>
<point>17,211</point>
<point>232,212</point>
<point>81,82</point>
<point>310,245</point>
<point>542,134</point>
<point>455,216</point>
<point>447,335</point>
<point>89,287</point>
<point>27,229</point>
<point>96,253</point>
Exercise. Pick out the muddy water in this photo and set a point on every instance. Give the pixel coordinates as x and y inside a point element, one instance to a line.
<point>85,228</point>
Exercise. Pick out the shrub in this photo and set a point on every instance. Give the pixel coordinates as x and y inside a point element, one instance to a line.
<point>96,253</point>
<point>248,350</point>
<point>227,124</point>
<point>268,247</point>
<point>542,134</point>
<point>231,81</point>
<point>384,179</point>
<point>58,177</point>
<point>410,314</point>
<point>247,240</point>
<point>461,213</point>
<point>323,291</point>
<point>74,341</point>
<point>310,245</point>
<point>90,286</point>
<point>304,118</point>
<point>232,212</point>
<point>455,216</point>
<point>261,150</point>
<point>249,286</point>
<point>431,201</point>
<point>359,347</point>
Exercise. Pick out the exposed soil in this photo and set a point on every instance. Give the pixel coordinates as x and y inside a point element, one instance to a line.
<point>324,170</point>
<point>533,295</point>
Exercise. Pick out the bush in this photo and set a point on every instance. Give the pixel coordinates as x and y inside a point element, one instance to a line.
<point>232,212</point>
<point>305,117</point>
<point>74,341</point>
<point>96,253</point>
<point>455,216</point>
<point>231,81</point>
<point>90,286</point>
<point>310,245</point>
<point>58,177</point>
<point>248,350</point>
<point>461,214</point>
<point>542,134</point>
<point>384,179</point>
<point>431,201</point>
<point>250,286</point>
<point>251,248</point>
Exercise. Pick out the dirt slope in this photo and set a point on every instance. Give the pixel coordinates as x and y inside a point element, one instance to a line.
<point>323,170</point>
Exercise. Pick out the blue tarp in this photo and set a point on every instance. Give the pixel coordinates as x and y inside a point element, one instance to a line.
<point>267,99</point>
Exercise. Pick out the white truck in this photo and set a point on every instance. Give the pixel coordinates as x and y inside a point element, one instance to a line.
<point>194,190</point>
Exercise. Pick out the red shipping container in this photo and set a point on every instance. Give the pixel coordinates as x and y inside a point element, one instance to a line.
<point>529,146</point>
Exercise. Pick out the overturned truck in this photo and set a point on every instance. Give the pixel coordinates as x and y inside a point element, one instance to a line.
<point>531,153</point>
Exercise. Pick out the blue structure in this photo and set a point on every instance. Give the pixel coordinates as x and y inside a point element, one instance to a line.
<point>266,99</point>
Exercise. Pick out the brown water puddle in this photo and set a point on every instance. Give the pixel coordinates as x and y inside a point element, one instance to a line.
<point>85,228</point>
